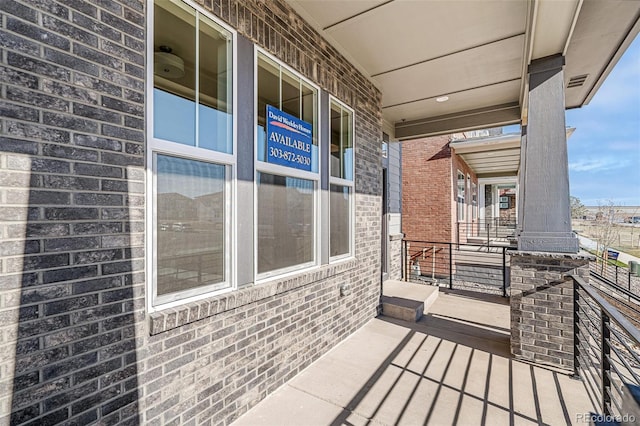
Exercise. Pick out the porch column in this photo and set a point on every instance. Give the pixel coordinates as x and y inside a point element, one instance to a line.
<point>544,192</point>
<point>541,292</point>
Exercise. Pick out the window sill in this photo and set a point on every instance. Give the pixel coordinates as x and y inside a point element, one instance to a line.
<point>170,318</point>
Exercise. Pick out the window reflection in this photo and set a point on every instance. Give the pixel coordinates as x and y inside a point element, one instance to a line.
<point>180,71</point>
<point>341,143</point>
<point>340,220</point>
<point>285,222</point>
<point>190,225</point>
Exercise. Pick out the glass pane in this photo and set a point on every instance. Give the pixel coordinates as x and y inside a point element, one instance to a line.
<point>285,222</point>
<point>460,196</point>
<point>215,88</point>
<point>336,140</point>
<point>174,73</point>
<point>190,200</point>
<point>291,94</point>
<point>268,94</point>
<point>309,103</point>
<point>341,142</point>
<point>340,220</point>
<point>347,146</point>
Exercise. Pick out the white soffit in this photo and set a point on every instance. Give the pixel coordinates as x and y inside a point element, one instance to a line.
<point>594,54</point>
<point>496,154</point>
<point>490,64</point>
<point>474,51</point>
<point>403,33</point>
<point>554,22</point>
<point>487,145</point>
<point>481,97</point>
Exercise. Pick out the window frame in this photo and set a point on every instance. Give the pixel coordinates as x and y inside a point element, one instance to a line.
<point>467,199</point>
<point>350,183</point>
<point>460,201</point>
<point>279,170</point>
<point>156,146</point>
<point>474,200</point>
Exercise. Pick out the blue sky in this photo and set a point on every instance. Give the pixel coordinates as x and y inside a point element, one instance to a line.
<point>604,150</point>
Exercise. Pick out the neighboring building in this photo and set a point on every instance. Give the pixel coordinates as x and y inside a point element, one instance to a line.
<point>194,203</point>
<point>446,199</point>
<point>462,187</point>
<point>434,197</point>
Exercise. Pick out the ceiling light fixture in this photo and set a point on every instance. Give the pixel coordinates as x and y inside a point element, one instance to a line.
<point>442,99</point>
<point>167,64</point>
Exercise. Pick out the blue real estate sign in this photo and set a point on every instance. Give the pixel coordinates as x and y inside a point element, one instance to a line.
<point>289,140</point>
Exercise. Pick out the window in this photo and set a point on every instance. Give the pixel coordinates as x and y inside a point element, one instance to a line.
<point>341,181</point>
<point>287,164</point>
<point>190,154</point>
<point>285,222</point>
<point>474,200</point>
<point>468,200</point>
<point>192,93</point>
<point>460,196</point>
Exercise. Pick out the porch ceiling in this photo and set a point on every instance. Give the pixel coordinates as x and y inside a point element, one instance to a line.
<point>499,155</point>
<point>493,156</point>
<point>476,52</point>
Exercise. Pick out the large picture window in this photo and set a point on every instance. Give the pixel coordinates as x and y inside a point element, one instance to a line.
<point>190,155</point>
<point>287,165</point>
<point>341,181</point>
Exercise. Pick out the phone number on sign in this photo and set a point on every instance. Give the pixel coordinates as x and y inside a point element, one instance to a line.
<point>289,156</point>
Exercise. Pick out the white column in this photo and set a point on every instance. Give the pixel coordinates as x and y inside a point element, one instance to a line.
<point>544,176</point>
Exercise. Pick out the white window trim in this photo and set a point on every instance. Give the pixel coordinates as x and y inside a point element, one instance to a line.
<point>276,169</point>
<point>159,146</point>
<point>467,199</point>
<point>344,182</point>
<point>460,209</point>
<point>474,203</point>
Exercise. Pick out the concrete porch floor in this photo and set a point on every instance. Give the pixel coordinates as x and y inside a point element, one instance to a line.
<point>451,367</point>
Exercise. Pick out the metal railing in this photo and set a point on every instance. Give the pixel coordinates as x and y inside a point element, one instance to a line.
<point>486,230</point>
<point>615,274</point>
<point>606,349</point>
<point>478,267</point>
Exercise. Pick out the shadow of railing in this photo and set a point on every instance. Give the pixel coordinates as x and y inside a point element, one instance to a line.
<point>447,370</point>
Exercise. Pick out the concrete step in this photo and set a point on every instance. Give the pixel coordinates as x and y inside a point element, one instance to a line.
<point>407,301</point>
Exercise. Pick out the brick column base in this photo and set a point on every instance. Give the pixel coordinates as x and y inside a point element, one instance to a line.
<point>542,306</point>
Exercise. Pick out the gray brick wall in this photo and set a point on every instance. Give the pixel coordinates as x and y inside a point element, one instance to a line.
<point>76,343</point>
<point>542,306</point>
<point>71,191</point>
<point>395,257</point>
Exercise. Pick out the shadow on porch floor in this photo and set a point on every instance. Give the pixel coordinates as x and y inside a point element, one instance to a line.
<point>451,367</point>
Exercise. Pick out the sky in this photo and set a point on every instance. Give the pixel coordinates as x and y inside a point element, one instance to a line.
<point>604,150</point>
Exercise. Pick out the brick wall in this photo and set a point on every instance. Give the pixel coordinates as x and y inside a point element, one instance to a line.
<point>542,306</point>
<point>395,257</point>
<point>76,343</point>
<point>71,221</point>
<point>426,195</point>
<point>429,179</point>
